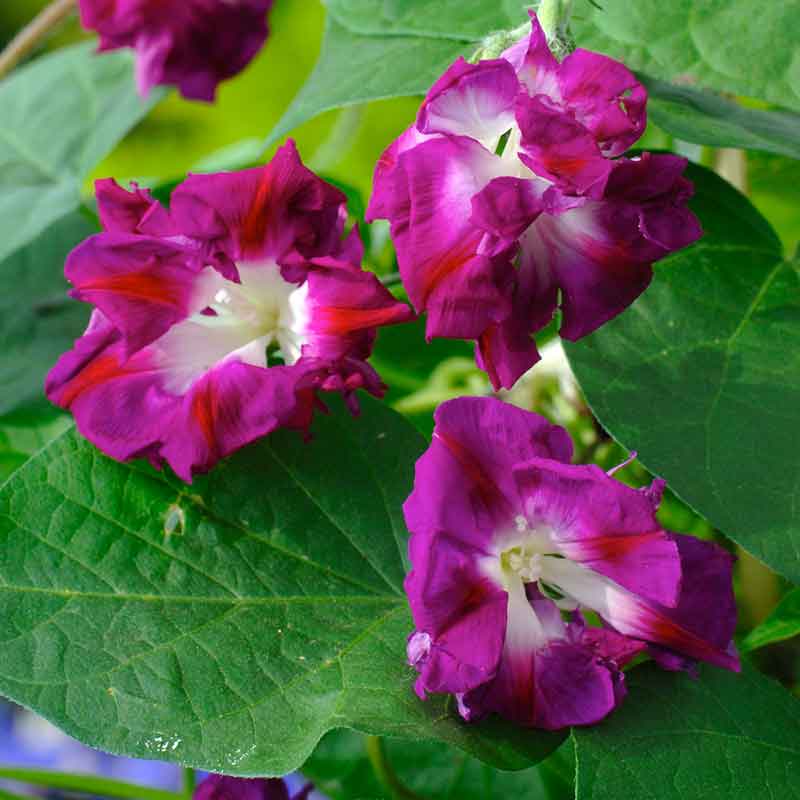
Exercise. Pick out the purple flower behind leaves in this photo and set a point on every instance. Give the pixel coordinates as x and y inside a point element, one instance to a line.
<point>223,787</point>
<point>509,192</point>
<point>511,543</point>
<point>220,320</point>
<point>191,44</point>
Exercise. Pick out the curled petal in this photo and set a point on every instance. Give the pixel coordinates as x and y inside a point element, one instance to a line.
<point>536,66</point>
<point>606,97</point>
<point>558,147</point>
<point>474,100</point>
<point>135,211</point>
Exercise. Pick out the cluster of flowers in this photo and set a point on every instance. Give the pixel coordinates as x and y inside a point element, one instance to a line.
<point>226,316</point>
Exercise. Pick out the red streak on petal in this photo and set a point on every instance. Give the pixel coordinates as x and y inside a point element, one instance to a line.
<point>257,216</point>
<point>138,285</point>
<point>614,257</point>
<point>659,629</point>
<point>564,165</point>
<point>103,369</point>
<point>435,271</point>
<point>487,489</point>
<point>609,548</point>
<point>203,407</point>
<point>339,321</point>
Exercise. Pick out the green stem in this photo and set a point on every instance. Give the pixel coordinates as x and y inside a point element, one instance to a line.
<point>85,784</point>
<point>392,279</point>
<point>554,16</point>
<point>189,783</point>
<point>376,752</point>
<point>34,33</point>
<point>707,156</point>
<point>6,795</point>
<point>340,139</point>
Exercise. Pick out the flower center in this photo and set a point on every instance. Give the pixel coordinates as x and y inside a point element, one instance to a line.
<point>260,321</point>
<point>524,563</point>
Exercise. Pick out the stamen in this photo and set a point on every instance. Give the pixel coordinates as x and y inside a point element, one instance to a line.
<point>628,460</point>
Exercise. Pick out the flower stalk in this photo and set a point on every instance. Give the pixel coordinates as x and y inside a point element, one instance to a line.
<point>84,784</point>
<point>34,33</point>
<point>384,772</point>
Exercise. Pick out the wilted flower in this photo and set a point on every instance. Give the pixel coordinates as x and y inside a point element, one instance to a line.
<point>508,190</point>
<point>219,320</point>
<point>223,787</point>
<point>191,44</point>
<point>511,544</point>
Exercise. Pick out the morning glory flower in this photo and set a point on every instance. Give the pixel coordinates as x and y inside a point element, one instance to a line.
<point>223,787</point>
<point>511,545</point>
<point>220,320</point>
<point>508,198</point>
<point>191,44</point>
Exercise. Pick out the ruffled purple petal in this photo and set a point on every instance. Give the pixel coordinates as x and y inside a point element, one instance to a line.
<point>551,680</point>
<point>600,254</point>
<point>126,406</point>
<point>192,44</point>
<point>459,614</point>
<point>464,482</point>
<point>135,211</point>
<point>225,787</point>
<point>446,270</point>
<point>556,146</point>
<point>389,197</point>
<point>281,211</point>
<point>606,97</point>
<point>144,285</point>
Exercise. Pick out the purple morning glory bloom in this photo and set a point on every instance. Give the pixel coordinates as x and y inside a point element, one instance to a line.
<point>511,543</point>
<point>223,787</point>
<point>191,44</point>
<point>509,192</point>
<point>220,320</point>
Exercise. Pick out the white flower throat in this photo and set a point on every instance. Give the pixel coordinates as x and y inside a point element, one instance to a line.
<point>235,320</point>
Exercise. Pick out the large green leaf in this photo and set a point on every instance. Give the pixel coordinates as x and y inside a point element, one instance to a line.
<point>61,115</point>
<point>228,624</point>
<point>723,736</point>
<point>701,376</point>
<point>355,68</point>
<point>377,49</point>
<point>783,623</point>
<point>732,46</point>
<point>707,118</point>
<point>38,321</point>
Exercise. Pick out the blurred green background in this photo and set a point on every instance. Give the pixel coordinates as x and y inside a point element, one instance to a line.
<point>180,136</point>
